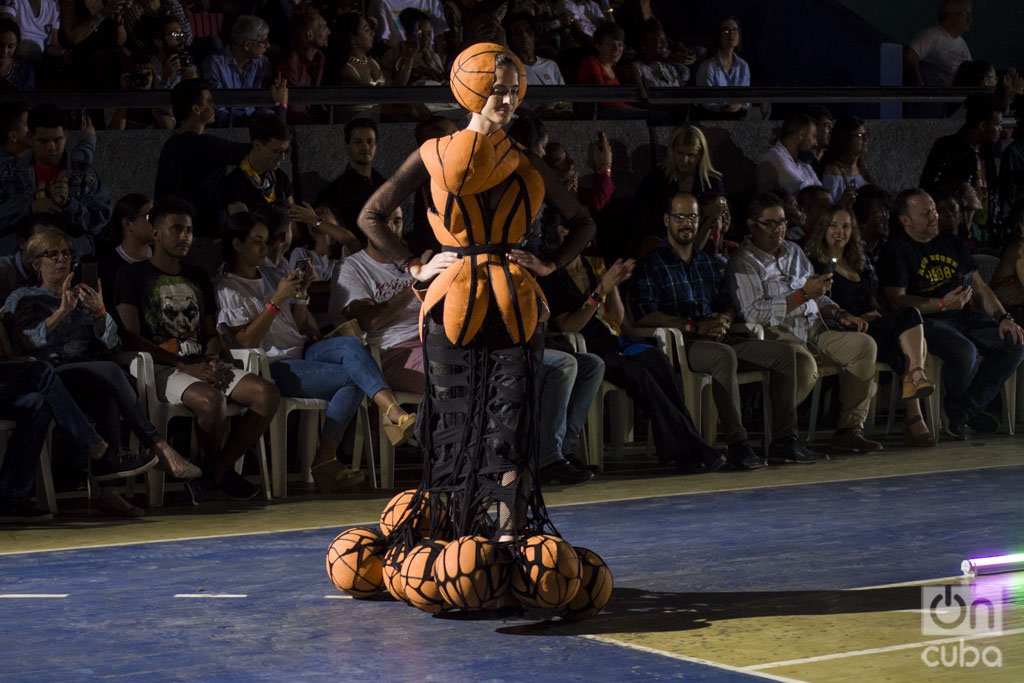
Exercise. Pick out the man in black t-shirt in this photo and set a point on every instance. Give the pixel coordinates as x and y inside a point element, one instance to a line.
<point>347,194</point>
<point>259,181</point>
<point>935,273</point>
<point>167,309</point>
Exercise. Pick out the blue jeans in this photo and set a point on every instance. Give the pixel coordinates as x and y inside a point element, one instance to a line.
<point>31,393</point>
<point>958,341</point>
<point>339,370</point>
<point>568,385</point>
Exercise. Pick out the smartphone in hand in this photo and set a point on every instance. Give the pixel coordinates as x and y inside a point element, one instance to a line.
<point>968,279</point>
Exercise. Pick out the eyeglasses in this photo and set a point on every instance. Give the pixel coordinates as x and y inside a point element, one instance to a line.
<point>57,254</point>
<point>862,134</point>
<point>177,35</point>
<point>774,225</point>
<point>684,217</point>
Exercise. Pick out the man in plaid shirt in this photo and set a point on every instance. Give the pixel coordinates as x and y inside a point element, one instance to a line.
<point>680,286</point>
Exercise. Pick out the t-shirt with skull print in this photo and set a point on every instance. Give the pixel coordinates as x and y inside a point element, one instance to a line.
<point>171,306</point>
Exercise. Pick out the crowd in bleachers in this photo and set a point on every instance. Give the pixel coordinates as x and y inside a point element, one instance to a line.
<point>821,273</point>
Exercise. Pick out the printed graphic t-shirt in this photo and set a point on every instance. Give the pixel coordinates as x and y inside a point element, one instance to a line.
<point>926,269</point>
<point>171,307</point>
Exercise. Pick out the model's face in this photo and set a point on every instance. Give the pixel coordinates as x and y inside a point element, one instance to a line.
<point>921,221</point>
<point>769,230</point>
<point>681,221</point>
<point>839,230</point>
<point>48,145</point>
<point>362,146</point>
<point>504,96</point>
<point>253,250</point>
<point>172,234</point>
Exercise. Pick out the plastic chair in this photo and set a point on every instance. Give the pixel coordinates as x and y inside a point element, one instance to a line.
<point>933,367</point>
<point>386,450</point>
<point>45,493</point>
<point>162,412</point>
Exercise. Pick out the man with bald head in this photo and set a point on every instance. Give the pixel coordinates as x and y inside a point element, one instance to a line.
<point>680,286</point>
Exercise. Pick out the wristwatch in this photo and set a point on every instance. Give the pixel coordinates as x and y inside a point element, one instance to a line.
<point>1005,316</point>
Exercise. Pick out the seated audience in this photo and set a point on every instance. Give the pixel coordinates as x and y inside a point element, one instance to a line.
<point>969,156</point>
<point>936,274</point>
<point>47,180</point>
<point>522,34</point>
<point>67,325</point>
<point>139,13</point>
<point>14,270</point>
<point>349,191</point>
<point>1008,278</point>
<point>322,247</point>
<point>127,239</point>
<point>585,298</point>
<point>40,29</point>
<point>824,123</point>
<point>14,71</point>
<point>679,286</point>
<point>95,34</point>
<point>583,15</point>
<point>167,49</point>
<point>835,247</point>
<point>599,69</point>
<point>844,170</point>
<point>773,284</point>
<point>242,65</point>
<point>871,209</point>
<point>386,16</point>
<point>414,61</point>
<point>167,309</point>
<point>273,316</point>
<point>715,225</point>
<point>724,68</point>
<point>304,65</point>
<point>787,165</point>
<point>258,181</point>
<point>957,208</point>
<point>653,67</point>
<point>1011,172</point>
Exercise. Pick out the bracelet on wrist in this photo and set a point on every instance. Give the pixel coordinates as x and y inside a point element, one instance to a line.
<point>100,312</point>
<point>801,297</point>
<point>942,303</point>
<point>274,308</point>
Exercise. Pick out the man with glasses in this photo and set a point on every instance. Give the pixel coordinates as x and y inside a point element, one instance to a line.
<point>681,286</point>
<point>243,65</point>
<point>46,180</point>
<point>773,284</point>
<point>258,181</point>
<point>936,274</point>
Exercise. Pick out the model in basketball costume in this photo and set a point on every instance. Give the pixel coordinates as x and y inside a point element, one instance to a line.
<point>482,329</point>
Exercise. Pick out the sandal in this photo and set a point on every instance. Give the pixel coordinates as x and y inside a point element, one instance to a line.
<point>922,440</point>
<point>399,432</point>
<point>111,503</point>
<point>330,477</point>
<point>920,388</point>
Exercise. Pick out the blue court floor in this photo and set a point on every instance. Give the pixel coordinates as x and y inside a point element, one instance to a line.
<point>753,575</point>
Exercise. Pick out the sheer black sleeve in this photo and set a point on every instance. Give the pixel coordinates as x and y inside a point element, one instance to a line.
<point>373,219</point>
<point>577,219</point>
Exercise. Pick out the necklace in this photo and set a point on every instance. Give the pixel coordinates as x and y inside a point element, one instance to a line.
<point>359,60</point>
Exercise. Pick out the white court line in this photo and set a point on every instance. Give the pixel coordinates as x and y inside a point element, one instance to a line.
<point>692,660</point>
<point>337,597</point>
<point>33,596</point>
<point>879,650</point>
<point>919,582</point>
<point>210,595</point>
<point>624,499</point>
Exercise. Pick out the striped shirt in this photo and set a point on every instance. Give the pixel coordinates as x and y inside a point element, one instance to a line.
<point>759,283</point>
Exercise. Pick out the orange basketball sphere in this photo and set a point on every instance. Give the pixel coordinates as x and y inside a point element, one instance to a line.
<point>354,562</point>
<point>472,74</point>
<point>398,511</point>
<point>418,576</point>
<point>547,573</point>
<point>392,570</point>
<point>595,588</point>
<point>468,573</point>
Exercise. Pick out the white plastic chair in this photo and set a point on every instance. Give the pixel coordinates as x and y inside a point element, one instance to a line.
<point>45,493</point>
<point>933,367</point>
<point>384,447</point>
<point>162,412</point>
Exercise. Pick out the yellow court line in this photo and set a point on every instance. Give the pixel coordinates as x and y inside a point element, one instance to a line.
<point>608,640</point>
<point>880,650</point>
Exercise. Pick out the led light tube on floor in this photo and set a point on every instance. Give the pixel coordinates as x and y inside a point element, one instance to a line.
<point>992,565</point>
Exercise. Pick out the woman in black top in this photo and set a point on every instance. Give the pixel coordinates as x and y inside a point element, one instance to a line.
<point>835,245</point>
<point>584,298</point>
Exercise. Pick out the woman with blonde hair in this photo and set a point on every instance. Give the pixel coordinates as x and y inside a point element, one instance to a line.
<point>686,168</point>
<point>835,247</point>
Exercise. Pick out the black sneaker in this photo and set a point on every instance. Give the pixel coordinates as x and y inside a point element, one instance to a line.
<point>21,511</point>
<point>119,463</point>
<point>564,472</point>
<point>236,486</point>
<point>742,457</point>
<point>985,423</point>
<point>790,450</point>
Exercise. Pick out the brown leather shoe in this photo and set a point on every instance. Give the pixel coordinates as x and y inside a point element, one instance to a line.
<point>853,441</point>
